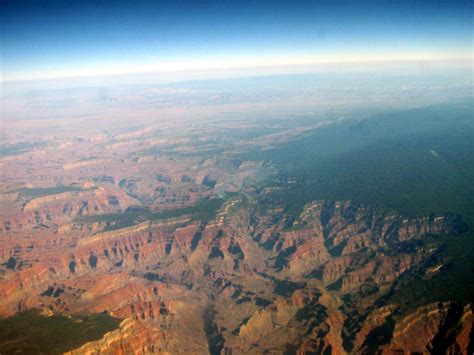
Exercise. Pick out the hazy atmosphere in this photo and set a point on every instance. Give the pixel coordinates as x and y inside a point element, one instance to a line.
<point>236,177</point>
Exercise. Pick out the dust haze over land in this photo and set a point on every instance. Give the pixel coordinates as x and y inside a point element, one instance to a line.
<point>236,177</point>
<point>279,213</point>
<point>278,95</point>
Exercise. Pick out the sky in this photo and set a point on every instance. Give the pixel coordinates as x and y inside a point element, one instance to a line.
<point>54,39</point>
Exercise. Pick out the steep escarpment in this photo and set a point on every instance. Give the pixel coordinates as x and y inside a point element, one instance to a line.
<point>245,280</point>
<point>436,328</point>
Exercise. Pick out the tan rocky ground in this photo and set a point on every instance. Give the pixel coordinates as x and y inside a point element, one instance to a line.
<point>185,248</point>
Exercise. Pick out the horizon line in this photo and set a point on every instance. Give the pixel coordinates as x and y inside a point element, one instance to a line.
<point>222,66</point>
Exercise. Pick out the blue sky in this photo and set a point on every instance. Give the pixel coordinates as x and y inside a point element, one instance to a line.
<point>45,39</point>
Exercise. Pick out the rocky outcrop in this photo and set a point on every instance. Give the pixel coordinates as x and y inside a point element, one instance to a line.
<point>437,328</point>
<point>243,282</point>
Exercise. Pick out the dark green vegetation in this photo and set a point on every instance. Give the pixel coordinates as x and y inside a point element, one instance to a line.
<point>40,192</point>
<point>215,340</point>
<point>11,263</point>
<point>204,210</point>
<point>453,283</point>
<point>286,288</point>
<point>32,333</point>
<point>14,149</point>
<point>417,162</point>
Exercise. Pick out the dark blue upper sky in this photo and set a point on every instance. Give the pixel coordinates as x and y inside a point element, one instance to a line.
<point>67,38</point>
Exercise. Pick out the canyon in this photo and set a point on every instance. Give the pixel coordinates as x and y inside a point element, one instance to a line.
<point>194,244</point>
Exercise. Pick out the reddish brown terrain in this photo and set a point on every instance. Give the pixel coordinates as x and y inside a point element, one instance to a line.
<point>170,229</point>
